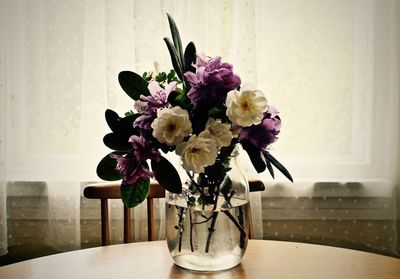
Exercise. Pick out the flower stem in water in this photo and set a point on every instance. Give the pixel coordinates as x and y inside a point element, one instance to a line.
<point>191,231</point>
<point>180,228</point>
<point>241,223</point>
<point>238,226</point>
<point>211,230</point>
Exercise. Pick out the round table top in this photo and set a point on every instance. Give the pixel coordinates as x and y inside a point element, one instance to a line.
<point>263,259</point>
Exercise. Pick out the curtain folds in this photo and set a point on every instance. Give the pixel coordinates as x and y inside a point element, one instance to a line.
<point>331,67</point>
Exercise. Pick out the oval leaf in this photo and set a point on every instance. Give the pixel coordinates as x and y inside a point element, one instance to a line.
<point>133,84</point>
<point>106,169</point>
<point>133,195</point>
<point>114,141</point>
<point>112,119</point>
<point>125,126</point>
<point>166,174</point>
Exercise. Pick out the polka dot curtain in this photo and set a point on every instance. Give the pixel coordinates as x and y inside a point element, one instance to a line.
<point>331,67</point>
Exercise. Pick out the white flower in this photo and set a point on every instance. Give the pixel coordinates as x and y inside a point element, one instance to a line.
<point>198,152</point>
<point>171,126</point>
<point>220,132</point>
<point>247,107</point>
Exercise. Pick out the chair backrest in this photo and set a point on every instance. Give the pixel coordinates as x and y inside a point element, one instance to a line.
<point>106,191</point>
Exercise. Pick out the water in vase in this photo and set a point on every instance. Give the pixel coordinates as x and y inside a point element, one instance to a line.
<point>200,238</point>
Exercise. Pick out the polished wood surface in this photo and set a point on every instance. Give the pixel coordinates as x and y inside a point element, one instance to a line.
<point>111,190</point>
<point>263,259</point>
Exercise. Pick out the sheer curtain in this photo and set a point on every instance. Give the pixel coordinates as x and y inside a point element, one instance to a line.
<point>331,67</point>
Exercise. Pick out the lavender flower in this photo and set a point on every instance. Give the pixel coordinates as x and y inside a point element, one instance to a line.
<point>131,169</point>
<point>265,133</point>
<point>147,106</point>
<point>142,149</point>
<point>212,81</point>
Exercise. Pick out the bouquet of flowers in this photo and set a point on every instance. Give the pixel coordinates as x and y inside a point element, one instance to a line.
<point>200,110</point>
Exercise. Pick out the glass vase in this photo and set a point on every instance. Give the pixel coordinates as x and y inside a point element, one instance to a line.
<point>207,230</point>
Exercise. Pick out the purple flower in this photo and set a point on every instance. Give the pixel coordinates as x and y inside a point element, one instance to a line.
<point>212,81</point>
<point>147,106</point>
<point>142,149</point>
<point>131,169</point>
<point>265,133</point>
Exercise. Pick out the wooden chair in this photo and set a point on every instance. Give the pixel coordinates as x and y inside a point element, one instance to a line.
<point>111,190</point>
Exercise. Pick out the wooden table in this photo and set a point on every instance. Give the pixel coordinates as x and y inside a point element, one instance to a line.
<point>263,259</point>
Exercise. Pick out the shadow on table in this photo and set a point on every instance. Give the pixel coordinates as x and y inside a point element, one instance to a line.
<point>235,272</point>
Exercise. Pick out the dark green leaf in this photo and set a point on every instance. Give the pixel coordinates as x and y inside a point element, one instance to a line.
<point>133,195</point>
<point>256,156</point>
<point>166,148</point>
<point>190,57</point>
<point>216,172</point>
<point>278,165</point>
<point>174,58</point>
<point>125,128</point>
<point>269,167</point>
<point>133,84</point>
<point>116,142</point>
<point>172,98</point>
<point>112,119</point>
<point>106,169</point>
<point>226,186</point>
<point>176,38</point>
<point>166,175</point>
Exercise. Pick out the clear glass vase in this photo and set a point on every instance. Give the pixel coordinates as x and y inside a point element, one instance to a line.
<point>209,235</point>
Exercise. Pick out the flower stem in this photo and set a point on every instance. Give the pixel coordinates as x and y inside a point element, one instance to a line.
<point>197,186</point>
<point>180,228</point>
<point>241,223</point>
<point>191,231</point>
<point>211,230</point>
<point>238,226</point>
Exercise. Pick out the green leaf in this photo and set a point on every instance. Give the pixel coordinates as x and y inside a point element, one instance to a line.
<point>133,195</point>
<point>174,58</point>
<point>171,76</point>
<point>218,113</point>
<point>176,38</point>
<point>278,165</point>
<point>112,119</point>
<point>190,57</point>
<point>106,169</point>
<point>133,84</point>
<point>161,77</point>
<point>129,113</point>
<point>116,142</point>
<point>256,156</point>
<point>167,175</point>
<point>214,112</point>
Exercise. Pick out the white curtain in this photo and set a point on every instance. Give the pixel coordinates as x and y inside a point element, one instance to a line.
<point>331,67</point>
